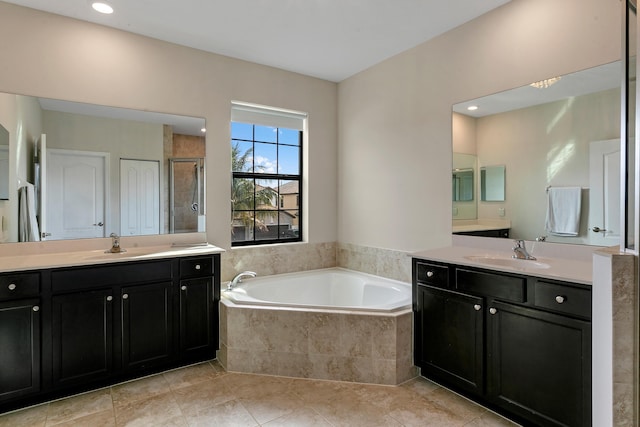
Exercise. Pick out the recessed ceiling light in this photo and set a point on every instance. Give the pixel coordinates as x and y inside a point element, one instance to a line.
<point>102,7</point>
<point>472,107</point>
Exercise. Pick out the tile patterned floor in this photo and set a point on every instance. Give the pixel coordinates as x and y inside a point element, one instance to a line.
<point>206,395</point>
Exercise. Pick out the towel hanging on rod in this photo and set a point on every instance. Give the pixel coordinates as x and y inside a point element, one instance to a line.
<point>563,210</point>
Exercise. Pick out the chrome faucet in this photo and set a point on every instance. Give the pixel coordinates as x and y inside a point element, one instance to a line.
<point>520,251</point>
<point>238,279</point>
<point>115,244</point>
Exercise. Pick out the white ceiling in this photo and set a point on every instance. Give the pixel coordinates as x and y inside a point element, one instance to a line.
<point>329,39</point>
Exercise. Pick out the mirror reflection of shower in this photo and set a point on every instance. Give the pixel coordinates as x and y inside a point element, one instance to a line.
<point>186,195</point>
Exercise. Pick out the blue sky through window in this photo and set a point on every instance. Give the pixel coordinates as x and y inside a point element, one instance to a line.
<point>276,150</point>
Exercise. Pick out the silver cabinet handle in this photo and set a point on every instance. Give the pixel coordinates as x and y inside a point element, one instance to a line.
<point>36,308</point>
<point>560,299</point>
<point>477,307</point>
<point>183,287</point>
<point>493,310</point>
<point>197,266</point>
<point>125,296</point>
<point>109,298</point>
<point>12,286</point>
<point>429,273</point>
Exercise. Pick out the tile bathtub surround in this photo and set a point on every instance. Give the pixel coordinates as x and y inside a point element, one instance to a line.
<point>387,263</point>
<point>276,259</point>
<point>362,348</point>
<point>286,258</point>
<point>206,395</point>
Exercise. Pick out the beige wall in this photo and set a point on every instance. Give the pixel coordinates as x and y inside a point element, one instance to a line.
<point>56,57</point>
<point>395,118</point>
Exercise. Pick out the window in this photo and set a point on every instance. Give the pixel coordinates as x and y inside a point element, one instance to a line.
<point>266,151</point>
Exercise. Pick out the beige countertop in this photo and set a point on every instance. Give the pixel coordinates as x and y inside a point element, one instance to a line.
<point>570,270</point>
<point>23,262</point>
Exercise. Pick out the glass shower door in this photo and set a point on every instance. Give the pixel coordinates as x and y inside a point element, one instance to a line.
<point>186,195</point>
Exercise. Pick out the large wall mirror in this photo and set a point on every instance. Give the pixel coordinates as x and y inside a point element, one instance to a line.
<point>560,133</point>
<point>78,170</point>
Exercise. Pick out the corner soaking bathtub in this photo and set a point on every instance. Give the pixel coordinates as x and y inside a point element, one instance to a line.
<point>333,324</point>
<point>331,288</point>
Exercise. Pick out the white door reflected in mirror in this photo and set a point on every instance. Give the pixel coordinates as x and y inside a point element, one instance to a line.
<point>76,194</point>
<point>604,193</point>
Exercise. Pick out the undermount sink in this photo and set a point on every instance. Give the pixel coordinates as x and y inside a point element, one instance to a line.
<point>520,264</point>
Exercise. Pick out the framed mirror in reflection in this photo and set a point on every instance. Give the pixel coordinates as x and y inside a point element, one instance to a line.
<point>79,170</point>
<point>492,183</point>
<point>553,133</point>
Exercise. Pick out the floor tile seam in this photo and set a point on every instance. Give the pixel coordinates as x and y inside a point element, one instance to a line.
<point>74,397</point>
<point>134,399</point>
<point>173,398</point>
<point>185,384</point>
<point>239,400</point>
<point>306,405</point>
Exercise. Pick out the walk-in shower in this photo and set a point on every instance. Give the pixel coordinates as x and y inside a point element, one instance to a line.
<point>186,195</point>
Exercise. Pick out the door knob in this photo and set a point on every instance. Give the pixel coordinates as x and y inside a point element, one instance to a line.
<point>493,310</point>
<point>100,224</point>
<point>429,273</point>
<point>125,296</point>
<point>12,287</point>
<point>477,307</point>
<point>183,287</point>
<point>597,229</point>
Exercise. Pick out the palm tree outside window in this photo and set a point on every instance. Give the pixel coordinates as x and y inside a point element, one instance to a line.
<point>266,185</point>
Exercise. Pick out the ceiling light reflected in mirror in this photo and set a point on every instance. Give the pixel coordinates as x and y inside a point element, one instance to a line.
<point>102,7</point>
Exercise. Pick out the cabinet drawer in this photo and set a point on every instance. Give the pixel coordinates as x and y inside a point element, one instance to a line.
<point>195,267</point>
<point>562,298</point>
<point>19,285</point>
<point>437,275</point>
<point>510,288</point>
<point>114,274</point>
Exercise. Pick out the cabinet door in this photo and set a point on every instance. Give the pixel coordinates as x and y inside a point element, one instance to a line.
<point>196,299</point>
<point>82,329</point>
<point>539,365</point>
<point>450,337</point>
<point>146,325</point>
<point>19,348</point>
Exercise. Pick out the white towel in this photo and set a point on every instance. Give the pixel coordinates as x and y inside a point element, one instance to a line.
<point>563,210</point>
<point>28,230</point>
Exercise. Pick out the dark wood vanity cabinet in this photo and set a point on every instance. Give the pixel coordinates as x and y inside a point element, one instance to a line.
<point>20,335</point>
<point>539,365</point>
<point>451,336</point>
<point>82,337</point>
<point>518,344</point>
<point>102,324</point>
<point>198,329</point>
